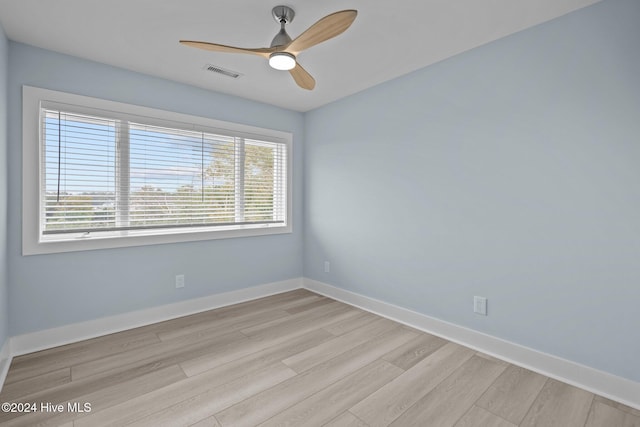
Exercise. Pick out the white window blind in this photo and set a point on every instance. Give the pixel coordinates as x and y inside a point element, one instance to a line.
<point>104,173</point>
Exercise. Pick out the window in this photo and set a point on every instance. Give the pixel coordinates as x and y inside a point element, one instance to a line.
<point>101,174</point>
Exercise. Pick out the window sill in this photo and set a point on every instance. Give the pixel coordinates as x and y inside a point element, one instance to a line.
<point>74,243</point>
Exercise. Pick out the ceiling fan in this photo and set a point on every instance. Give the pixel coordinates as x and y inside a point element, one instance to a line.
<point>283,50</point>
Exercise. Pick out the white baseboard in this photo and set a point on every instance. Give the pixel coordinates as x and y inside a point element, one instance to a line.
<point>602,383</point>
<point>40,340</point>
<point>5,361</point>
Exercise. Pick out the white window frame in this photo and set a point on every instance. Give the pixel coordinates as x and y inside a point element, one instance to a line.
<point>32,177</point>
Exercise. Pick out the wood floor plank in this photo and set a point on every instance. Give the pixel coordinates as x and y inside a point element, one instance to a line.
<point>100,398</point>
<point>264,405</point>
<point>238,316</point>
<point>393,399</point>
<point>560,405</point>
<point>147,404</point>
<point>312,304</point>
<point>75,390</point>
<point>454,396</point>
<point>267,303</point>
<point>126,390</point>
<point>618,405</point>
<point>206,404</point>
<point>15,390</point>
<point>479,417</point>
<point>209,422</point>
<point>278,301</point>
<point>307,319</point>
<point>361,318</point>
<point>174,351</point>
<point>603,415</point>
<point>280,333</point>
<point>227,324</point>
<point>332,348</point>
<point>414,351</point>
<point>105,343</point>
<point>249,349</point>
<point>513,393</point>
<point>42,362</point>
<point>271,301</point>
<point>346,419</point>
<point>324,405</point>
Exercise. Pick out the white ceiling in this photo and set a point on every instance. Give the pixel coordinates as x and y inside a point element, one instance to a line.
<point>386,40</point>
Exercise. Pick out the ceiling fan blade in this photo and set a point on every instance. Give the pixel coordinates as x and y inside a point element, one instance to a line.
<point>302,77</point>
<point>325,29</point>
<point>264,52</point>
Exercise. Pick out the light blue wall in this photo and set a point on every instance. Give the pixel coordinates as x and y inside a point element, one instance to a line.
<point>53,290</point>
<point>4,291</point>
<point>511,171</point>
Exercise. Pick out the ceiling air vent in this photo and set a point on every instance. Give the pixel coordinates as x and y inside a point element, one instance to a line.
<point>223,71</point>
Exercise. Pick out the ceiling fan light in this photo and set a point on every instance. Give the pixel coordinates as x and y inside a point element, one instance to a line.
<point>282,61</point>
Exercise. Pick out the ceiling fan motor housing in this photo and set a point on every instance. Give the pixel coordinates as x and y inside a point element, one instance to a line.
<point>283,15</point>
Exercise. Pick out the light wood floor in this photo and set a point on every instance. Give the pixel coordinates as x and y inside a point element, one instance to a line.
<point>291,359</point>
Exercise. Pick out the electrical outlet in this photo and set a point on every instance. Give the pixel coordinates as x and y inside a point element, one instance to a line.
<point>480,305</point>
<point>327,267</point>
<point>180,281</point>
